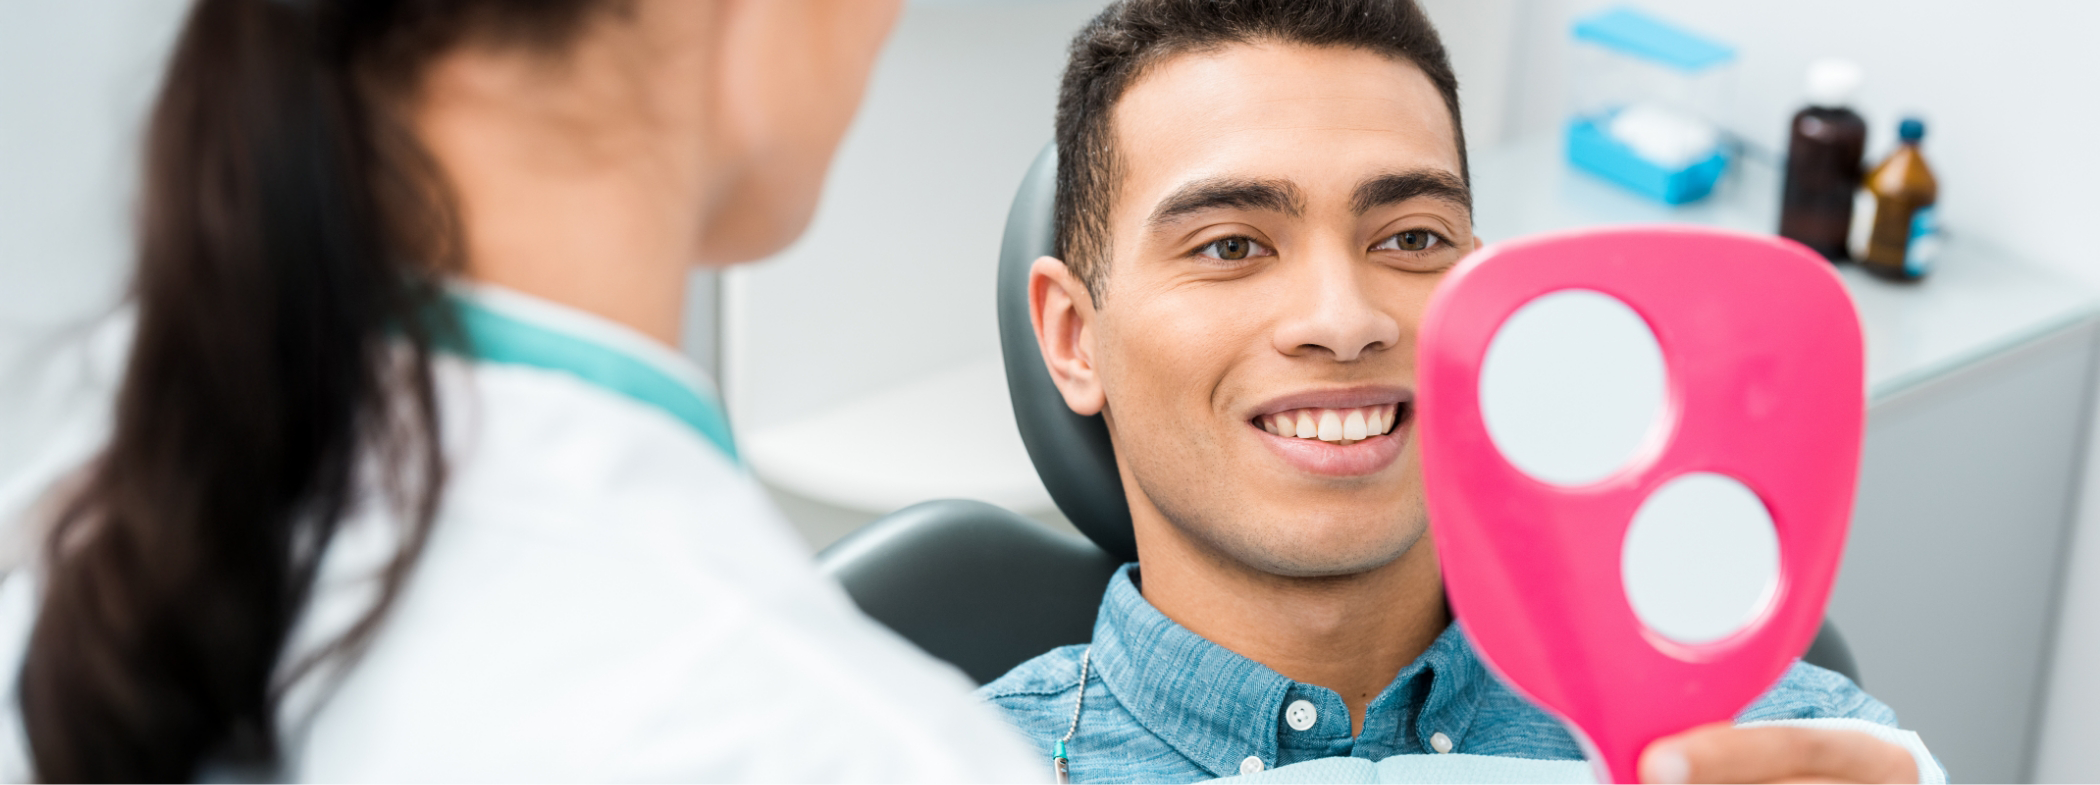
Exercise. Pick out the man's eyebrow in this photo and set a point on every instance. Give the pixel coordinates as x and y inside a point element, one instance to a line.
<point>1399,187</point>
<point>1234,192</point>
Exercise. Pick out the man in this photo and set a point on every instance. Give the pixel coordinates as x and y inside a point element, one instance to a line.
<point>1255,200</point>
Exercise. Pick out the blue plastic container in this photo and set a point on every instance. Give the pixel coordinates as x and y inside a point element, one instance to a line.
<point>1591,148</point>
<point>1625,58</point>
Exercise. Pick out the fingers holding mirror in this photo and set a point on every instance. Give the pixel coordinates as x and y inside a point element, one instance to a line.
<point>1724,753</point>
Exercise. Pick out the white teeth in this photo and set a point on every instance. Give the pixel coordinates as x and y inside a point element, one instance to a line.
<point>1346,426</point>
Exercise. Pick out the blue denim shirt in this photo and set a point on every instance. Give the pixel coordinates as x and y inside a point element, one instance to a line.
<point>1165,705</point>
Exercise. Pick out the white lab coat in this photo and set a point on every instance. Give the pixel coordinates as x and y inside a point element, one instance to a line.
<point>606,595</point>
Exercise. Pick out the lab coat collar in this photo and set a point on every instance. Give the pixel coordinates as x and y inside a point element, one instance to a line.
<point>508,327</point>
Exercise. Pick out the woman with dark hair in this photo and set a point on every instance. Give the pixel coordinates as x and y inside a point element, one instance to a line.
<point>404,480</point>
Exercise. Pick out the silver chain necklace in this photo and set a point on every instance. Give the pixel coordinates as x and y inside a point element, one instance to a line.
<point>1059,761</point>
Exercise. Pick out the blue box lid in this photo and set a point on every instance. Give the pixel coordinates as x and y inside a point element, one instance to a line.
<point>1638,34</point>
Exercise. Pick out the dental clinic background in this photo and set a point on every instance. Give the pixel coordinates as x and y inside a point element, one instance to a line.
<point>875,333</point>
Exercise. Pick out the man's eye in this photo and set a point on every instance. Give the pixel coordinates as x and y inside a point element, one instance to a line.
<point>1410,240</point>
<point>1233,249</point>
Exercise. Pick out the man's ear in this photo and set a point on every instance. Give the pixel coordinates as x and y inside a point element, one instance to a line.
<point>1063,313</point>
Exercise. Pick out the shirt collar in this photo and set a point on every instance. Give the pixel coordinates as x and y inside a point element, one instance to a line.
<point>507,327</point>
<point>1218,708</point>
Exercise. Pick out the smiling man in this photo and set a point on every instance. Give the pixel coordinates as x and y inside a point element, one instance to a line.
<point>1255,201</point>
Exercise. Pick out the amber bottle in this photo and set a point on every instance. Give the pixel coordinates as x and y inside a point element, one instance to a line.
<point>1900,222</point>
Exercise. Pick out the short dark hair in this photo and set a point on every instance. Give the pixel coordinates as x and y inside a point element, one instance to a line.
<point>1130,36</point>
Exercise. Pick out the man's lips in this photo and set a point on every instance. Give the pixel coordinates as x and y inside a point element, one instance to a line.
<point>1338,432</point>
<point>1338,398</point>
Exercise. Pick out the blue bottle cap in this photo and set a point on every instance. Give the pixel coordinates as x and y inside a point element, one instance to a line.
<point>1911,130</point>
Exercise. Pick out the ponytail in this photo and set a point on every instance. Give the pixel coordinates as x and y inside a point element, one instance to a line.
<point>282,334</point>
<point>293,241</point>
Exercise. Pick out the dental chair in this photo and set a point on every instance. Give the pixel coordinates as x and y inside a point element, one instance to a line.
<point>986,589</point>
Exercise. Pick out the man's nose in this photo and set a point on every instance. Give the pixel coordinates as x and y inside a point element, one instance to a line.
<point>1331,312</point>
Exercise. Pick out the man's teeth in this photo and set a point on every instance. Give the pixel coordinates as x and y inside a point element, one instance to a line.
<point>1330,426</point>
<point>1333,425</point>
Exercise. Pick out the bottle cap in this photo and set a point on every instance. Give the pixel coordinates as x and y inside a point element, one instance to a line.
<point>1912,129</point>
<point>1832,83</point>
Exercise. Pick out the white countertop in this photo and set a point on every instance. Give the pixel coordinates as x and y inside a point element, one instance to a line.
<point>949,435</point>
<point>952,434</point>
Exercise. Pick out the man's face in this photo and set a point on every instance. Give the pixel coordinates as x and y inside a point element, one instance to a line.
<point>1283,214</point>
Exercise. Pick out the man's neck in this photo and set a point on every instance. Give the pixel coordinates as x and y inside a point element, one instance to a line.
<point>1352,633</point>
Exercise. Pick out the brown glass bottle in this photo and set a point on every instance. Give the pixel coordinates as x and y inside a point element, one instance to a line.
<point>1823,162</point>
<point>1901,221</point>
<point>1822,172</point>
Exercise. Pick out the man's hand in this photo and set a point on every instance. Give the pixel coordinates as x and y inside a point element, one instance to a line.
<point>1723,753</point>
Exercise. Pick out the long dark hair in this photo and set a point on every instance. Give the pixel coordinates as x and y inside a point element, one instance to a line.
<point>293,242</point>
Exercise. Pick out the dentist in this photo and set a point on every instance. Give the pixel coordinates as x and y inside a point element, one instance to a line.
<point>404,480</point>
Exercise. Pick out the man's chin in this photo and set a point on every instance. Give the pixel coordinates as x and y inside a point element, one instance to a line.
<point>1321,565</point>
<point>1288,540</point>
<point>1290,554</point>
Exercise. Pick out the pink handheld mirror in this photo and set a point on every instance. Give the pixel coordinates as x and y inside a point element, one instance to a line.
<point>1621,429</point>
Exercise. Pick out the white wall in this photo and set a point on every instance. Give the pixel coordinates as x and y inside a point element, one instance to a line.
<point>1481,37</point>
<point>894,279</point>
<point>2011,91</point>
<point>75,81</point>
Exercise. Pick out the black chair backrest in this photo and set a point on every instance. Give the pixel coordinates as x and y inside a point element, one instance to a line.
<point>977,585</point>
<point>1071,453</point>
<point>972,583</point>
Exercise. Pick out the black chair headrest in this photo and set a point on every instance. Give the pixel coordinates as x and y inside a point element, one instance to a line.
<point>1071,453</point>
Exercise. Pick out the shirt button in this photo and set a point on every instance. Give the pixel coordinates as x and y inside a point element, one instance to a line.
<point>1440,742</point>
<point>1252,765</point>
<point>1301,715</point>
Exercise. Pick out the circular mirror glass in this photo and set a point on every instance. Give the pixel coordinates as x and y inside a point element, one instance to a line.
<point>1701,559</point>
<point>1572,386</point>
